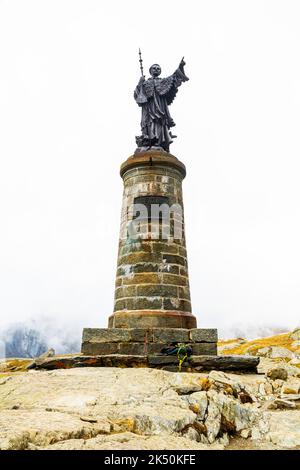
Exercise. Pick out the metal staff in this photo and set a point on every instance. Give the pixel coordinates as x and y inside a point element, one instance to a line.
<point>141,62</point>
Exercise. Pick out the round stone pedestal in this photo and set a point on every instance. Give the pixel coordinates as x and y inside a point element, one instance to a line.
<point>152,284</point>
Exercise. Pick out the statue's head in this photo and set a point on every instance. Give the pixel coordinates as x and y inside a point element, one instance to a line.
<point>155,70</point>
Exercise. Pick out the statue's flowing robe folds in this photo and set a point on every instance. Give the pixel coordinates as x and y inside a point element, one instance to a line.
<point>154,95</point>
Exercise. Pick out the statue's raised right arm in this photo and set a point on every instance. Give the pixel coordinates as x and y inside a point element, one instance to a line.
<point>168,86</point>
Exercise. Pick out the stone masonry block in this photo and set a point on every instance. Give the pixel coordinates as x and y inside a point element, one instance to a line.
<point>120,305</point>
<point>184,293</point>
<point>174,259</point>
<point>135,247</point>
<point>146,303</point>
<point>175,280</point>
<point>208,335</point>
<point>169,335</point>
<point>170,269</point>
<point>183,272</point>
<point>127,348</point>
<point>143,278</point>
<point>132,348</point>
<point>177,304</point>
<point>141,334</point>
<point>139,257</point>
<point>105,335</point>
<point>128,291</point>
<point>93,349</point>
<point>157,290</point>
<point>182,251</point>
<point>159,247</point>
<point>140,348</point>
<point>145,268</point>
<point>117,335</point>
<point>200,349</point>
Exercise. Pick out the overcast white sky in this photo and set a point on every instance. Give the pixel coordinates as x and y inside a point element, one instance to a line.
<point>68,119</point>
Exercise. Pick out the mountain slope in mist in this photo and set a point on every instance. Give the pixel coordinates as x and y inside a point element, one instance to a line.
<point>33,339</point>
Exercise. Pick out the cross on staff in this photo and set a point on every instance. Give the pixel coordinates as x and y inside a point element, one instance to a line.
<point>141,62</point>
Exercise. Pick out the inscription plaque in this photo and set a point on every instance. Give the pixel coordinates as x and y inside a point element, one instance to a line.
<point>148,201</point>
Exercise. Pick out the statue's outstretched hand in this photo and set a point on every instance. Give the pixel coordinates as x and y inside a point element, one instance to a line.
<point>142,79</point>
<point>182,64</point>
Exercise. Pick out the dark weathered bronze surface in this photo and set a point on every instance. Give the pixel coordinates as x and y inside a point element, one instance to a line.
<point>154,96</point>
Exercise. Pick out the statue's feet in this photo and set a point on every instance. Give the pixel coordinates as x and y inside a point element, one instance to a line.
<point>143,141</point>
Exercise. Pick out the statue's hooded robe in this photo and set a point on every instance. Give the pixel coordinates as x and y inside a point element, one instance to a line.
<point>154,95</point>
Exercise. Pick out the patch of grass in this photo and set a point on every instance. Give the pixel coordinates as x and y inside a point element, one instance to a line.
<point>282,340</point>
<point>17,365</point>
<point>222,342</point>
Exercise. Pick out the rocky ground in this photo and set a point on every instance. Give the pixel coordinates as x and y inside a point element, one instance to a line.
<point>141,408</point>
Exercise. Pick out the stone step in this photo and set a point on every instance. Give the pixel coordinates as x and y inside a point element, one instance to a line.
<point>234,362</point>
<point>193,363</point>
<point>109,360</point>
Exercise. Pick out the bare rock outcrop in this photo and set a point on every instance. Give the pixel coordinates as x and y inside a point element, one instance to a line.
<point>105,406</point>
<point>112,408</point>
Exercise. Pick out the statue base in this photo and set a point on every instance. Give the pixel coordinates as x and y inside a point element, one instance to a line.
<point>147,341</point>
<point>148,148</point>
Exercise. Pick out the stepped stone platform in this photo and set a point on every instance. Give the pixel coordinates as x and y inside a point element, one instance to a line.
<point>140,347</point>
<point>146,341</point>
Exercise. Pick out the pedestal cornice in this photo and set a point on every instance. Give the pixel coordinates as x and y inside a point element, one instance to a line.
<point>153,158</point>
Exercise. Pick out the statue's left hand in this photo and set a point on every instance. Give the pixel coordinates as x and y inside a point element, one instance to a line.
<point>142,79</point>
